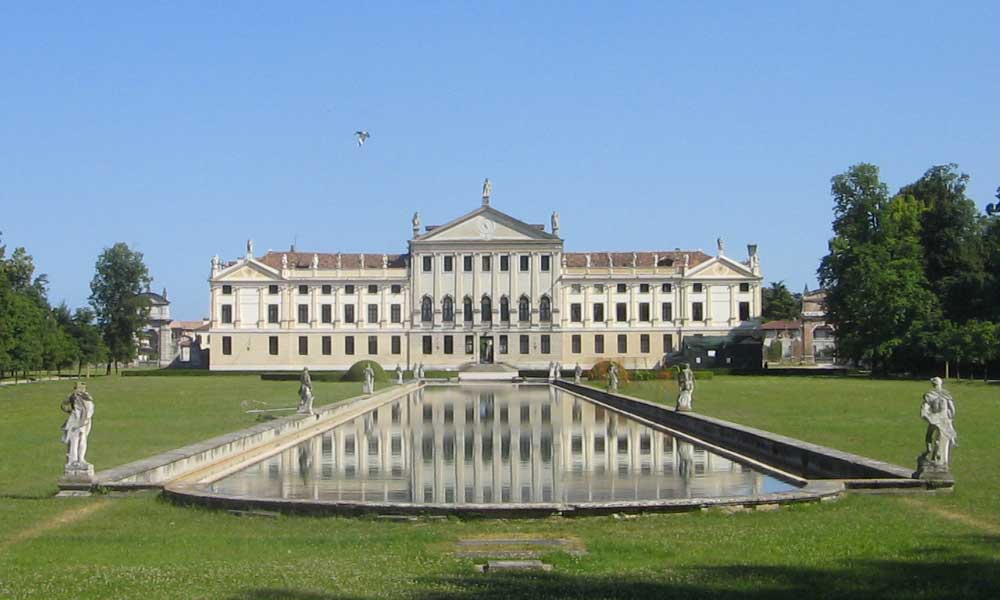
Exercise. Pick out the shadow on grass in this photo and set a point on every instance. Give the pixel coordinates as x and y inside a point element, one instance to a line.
<point>937,573</point>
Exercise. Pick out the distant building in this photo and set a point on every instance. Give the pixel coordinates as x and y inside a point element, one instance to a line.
<point>155,334</point>
<point>807,340</point>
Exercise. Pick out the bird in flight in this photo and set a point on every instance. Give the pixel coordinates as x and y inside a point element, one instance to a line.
<point>362,137</point>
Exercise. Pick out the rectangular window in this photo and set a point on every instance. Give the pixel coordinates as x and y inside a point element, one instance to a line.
<point>523,343</point>
<point>395,289</point>
<point>668,343</point>
<point>449,264</point>
<point>599,344</point>
<point>487,263</point>
<point>373,313</point>
<point>744,311</point>
<point>327,345</point>
<point>697,311</point>
<point>525,262</point>
<point>598,312</point>
<point>227,345</point>
<point>576,312</point>
<point>449,344</point>
<point>272,313</point>
<point>348,313</point>
<point>349,290</point>
<point>303,290</point>
<point>272,345</point>
<point>272,289</point>
<point>546,344</point>
<point>546,262</point>
<point>621,312</point>
<point>397,344</point>
<point>227,313</point>
<point>667,311</point>
<point>622,288</point>
<point>227,290</point>
<point>467,264</point>
<point>644,312</point>
<point>697,288</point>
<point>427,344</point>
<point>576,342</point>
<point>622,343</point>
<point>396,313</point>
<point>468,344</point>
<point>428,263</point>
<point>303,313</point>
<point>667,288</point>
<point>644,343</point>
<point>326,311</point>
<point>349,345</point>
<point>303,345</point>
<point>744,287</point>
<point>503,344</point>
<point>643,288</point>
<point>327,290</point>
<point>504,262</point>
<point>373,289</point>
<point>373,345</point>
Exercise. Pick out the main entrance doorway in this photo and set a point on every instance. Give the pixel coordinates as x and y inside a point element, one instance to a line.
<point>486,350</point>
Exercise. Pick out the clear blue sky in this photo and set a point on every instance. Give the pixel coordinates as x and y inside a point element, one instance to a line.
<point>184,129</point>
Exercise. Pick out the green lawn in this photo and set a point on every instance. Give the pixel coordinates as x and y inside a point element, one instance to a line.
<point>893,546</point>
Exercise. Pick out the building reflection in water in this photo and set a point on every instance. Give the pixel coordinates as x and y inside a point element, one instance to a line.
<point>483,445</point>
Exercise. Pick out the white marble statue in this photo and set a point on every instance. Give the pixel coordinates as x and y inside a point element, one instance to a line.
<point>611,261</point>
<point>938,409</point>
<point>421,370</point>
<point>577,374</point>
<point>555,223</point>
<point>685,388</point>
<point>613,378</point>
<point>340,261</point>
<point>552,370</point>
<point>215,263</point>
<point>249,248</point>
<point>635,260</point>
<point>284,261</point>
<point>399,374</point>
<point>416,224</point>
<point>587,258</point>
<point>315,262</point>
<point>721,245</point>
<point>487,191</point>
<point>385,261</point>
<point>369,385</point>
<point>79,405</point>
<point>558,370</point>
<point>305,393</point>
<point>362,262</point>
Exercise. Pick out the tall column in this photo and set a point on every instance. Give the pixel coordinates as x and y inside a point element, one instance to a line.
<point>338,301</point>
<point>361,312</point>
<point>286,305</point>
<point>261,307</point>
<point>236,307</point>
<point>733,311</point>
<point>314,305</point>
<point>707,313</point>
<point>494,293</point>
<point>476,288</point>
<point>215,306</point>
<point>533,267</point>
<point>633,305</point>
<point>383,316</point>
<point>588,310</point>
<point>654,304</point>
<point>459,285</point>
<point>515,269</point>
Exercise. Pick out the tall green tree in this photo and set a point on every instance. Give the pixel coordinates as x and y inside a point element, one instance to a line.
<point>119,279</point>
<point>878,297</point>
<point>779,303</point>
<point>951,237</point>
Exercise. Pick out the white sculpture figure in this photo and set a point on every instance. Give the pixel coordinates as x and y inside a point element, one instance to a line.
<point>487,191</point>
<point>552,371</point>
<point>420,371</point>
<point>284,261</point>
<point>938,410</point>
<point>215,263</point>
<point>340,261</point>
<point>721,246</point>
<point>249,248</point>
<point>369,385</point>
<point>305,393</point>
<point>656,261</point>
<point>613,378</point>
<point>79,405</point>
<point>558,370</point>
<point>555,223</point>
<point>416,224</point>
<point>685,387</point>
<point>687,261</point>
<point>385,261</point>
<point>611,261</point>
<point>315,262</point>
<point>635,260</point>
<point>587,258</point>
<point>564,261</point>
<point>577,374</point>
<point>399,374</point>
<point>362,262</point>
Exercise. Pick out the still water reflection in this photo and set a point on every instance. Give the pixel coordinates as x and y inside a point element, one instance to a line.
<point>503,444</point>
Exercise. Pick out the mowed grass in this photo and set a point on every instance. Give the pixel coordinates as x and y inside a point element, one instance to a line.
<point>899,546</point>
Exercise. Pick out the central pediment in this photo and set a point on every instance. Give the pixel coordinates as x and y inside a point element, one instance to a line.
<point>483,225</point>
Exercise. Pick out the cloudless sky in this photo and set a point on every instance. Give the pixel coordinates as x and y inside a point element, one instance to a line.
<point>184,128</point>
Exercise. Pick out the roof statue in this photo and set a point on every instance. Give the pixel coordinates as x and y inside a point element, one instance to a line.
<point>284,261</point>
<point>587,258</point>
<point>416,224</point>
<point>340,261</point>
<point>555,223</point>
<point>385,261</point>
<point>315,261</point>
<point>362,259</point>
<point>611,261</point>
<point>635,260</point>
<point>721,245</point>
<point>249,248</point>
<point>487,191</point>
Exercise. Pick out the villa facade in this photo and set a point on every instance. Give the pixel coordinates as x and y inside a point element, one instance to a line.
<point>483,288</point>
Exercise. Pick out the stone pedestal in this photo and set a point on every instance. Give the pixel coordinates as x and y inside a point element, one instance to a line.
<point>932,471</point>
<point>79,472</point>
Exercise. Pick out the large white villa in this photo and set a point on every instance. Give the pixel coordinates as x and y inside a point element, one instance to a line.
<point>484,288</point>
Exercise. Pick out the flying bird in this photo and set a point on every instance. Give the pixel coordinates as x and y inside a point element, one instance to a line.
<point>362,136</point>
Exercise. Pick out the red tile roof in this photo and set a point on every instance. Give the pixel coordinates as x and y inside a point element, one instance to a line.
<point>782,325</point>
<point>667,258</point>
<point>303,260</point>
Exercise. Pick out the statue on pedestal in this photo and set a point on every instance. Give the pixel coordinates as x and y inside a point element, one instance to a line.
<point>552,371</point>
<point>613,378</point>
<point>938,410</point>
<point>315,262</point>
<point>305,393</point>
<point>487,191</point>
<point>399,374</point>
<point>385,261</point>
<point>685,387</point>
<point>79,405</point>
<point>369,384</point>
<point>284,261</point>
<point>577,374</point>
<point>555,223</point>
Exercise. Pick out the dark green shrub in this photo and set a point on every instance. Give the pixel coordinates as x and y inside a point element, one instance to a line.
<point>357,371</point>
<point>600,371</point>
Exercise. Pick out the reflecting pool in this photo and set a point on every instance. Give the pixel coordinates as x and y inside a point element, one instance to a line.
<point>468,445</point>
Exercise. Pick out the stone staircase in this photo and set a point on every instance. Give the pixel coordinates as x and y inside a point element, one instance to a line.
<point>486,372</point>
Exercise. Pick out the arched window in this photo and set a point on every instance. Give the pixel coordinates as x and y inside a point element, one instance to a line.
<point>448,309</point>
<point>467,309</point>
<point>504,309</point>
<point>545,309</point>
<point>524,309</point>
<point>486,306</point>
<point>426,310</point>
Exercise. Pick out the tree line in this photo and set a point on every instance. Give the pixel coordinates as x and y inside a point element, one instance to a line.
<point>912,278</point>
<point>35,336</point>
